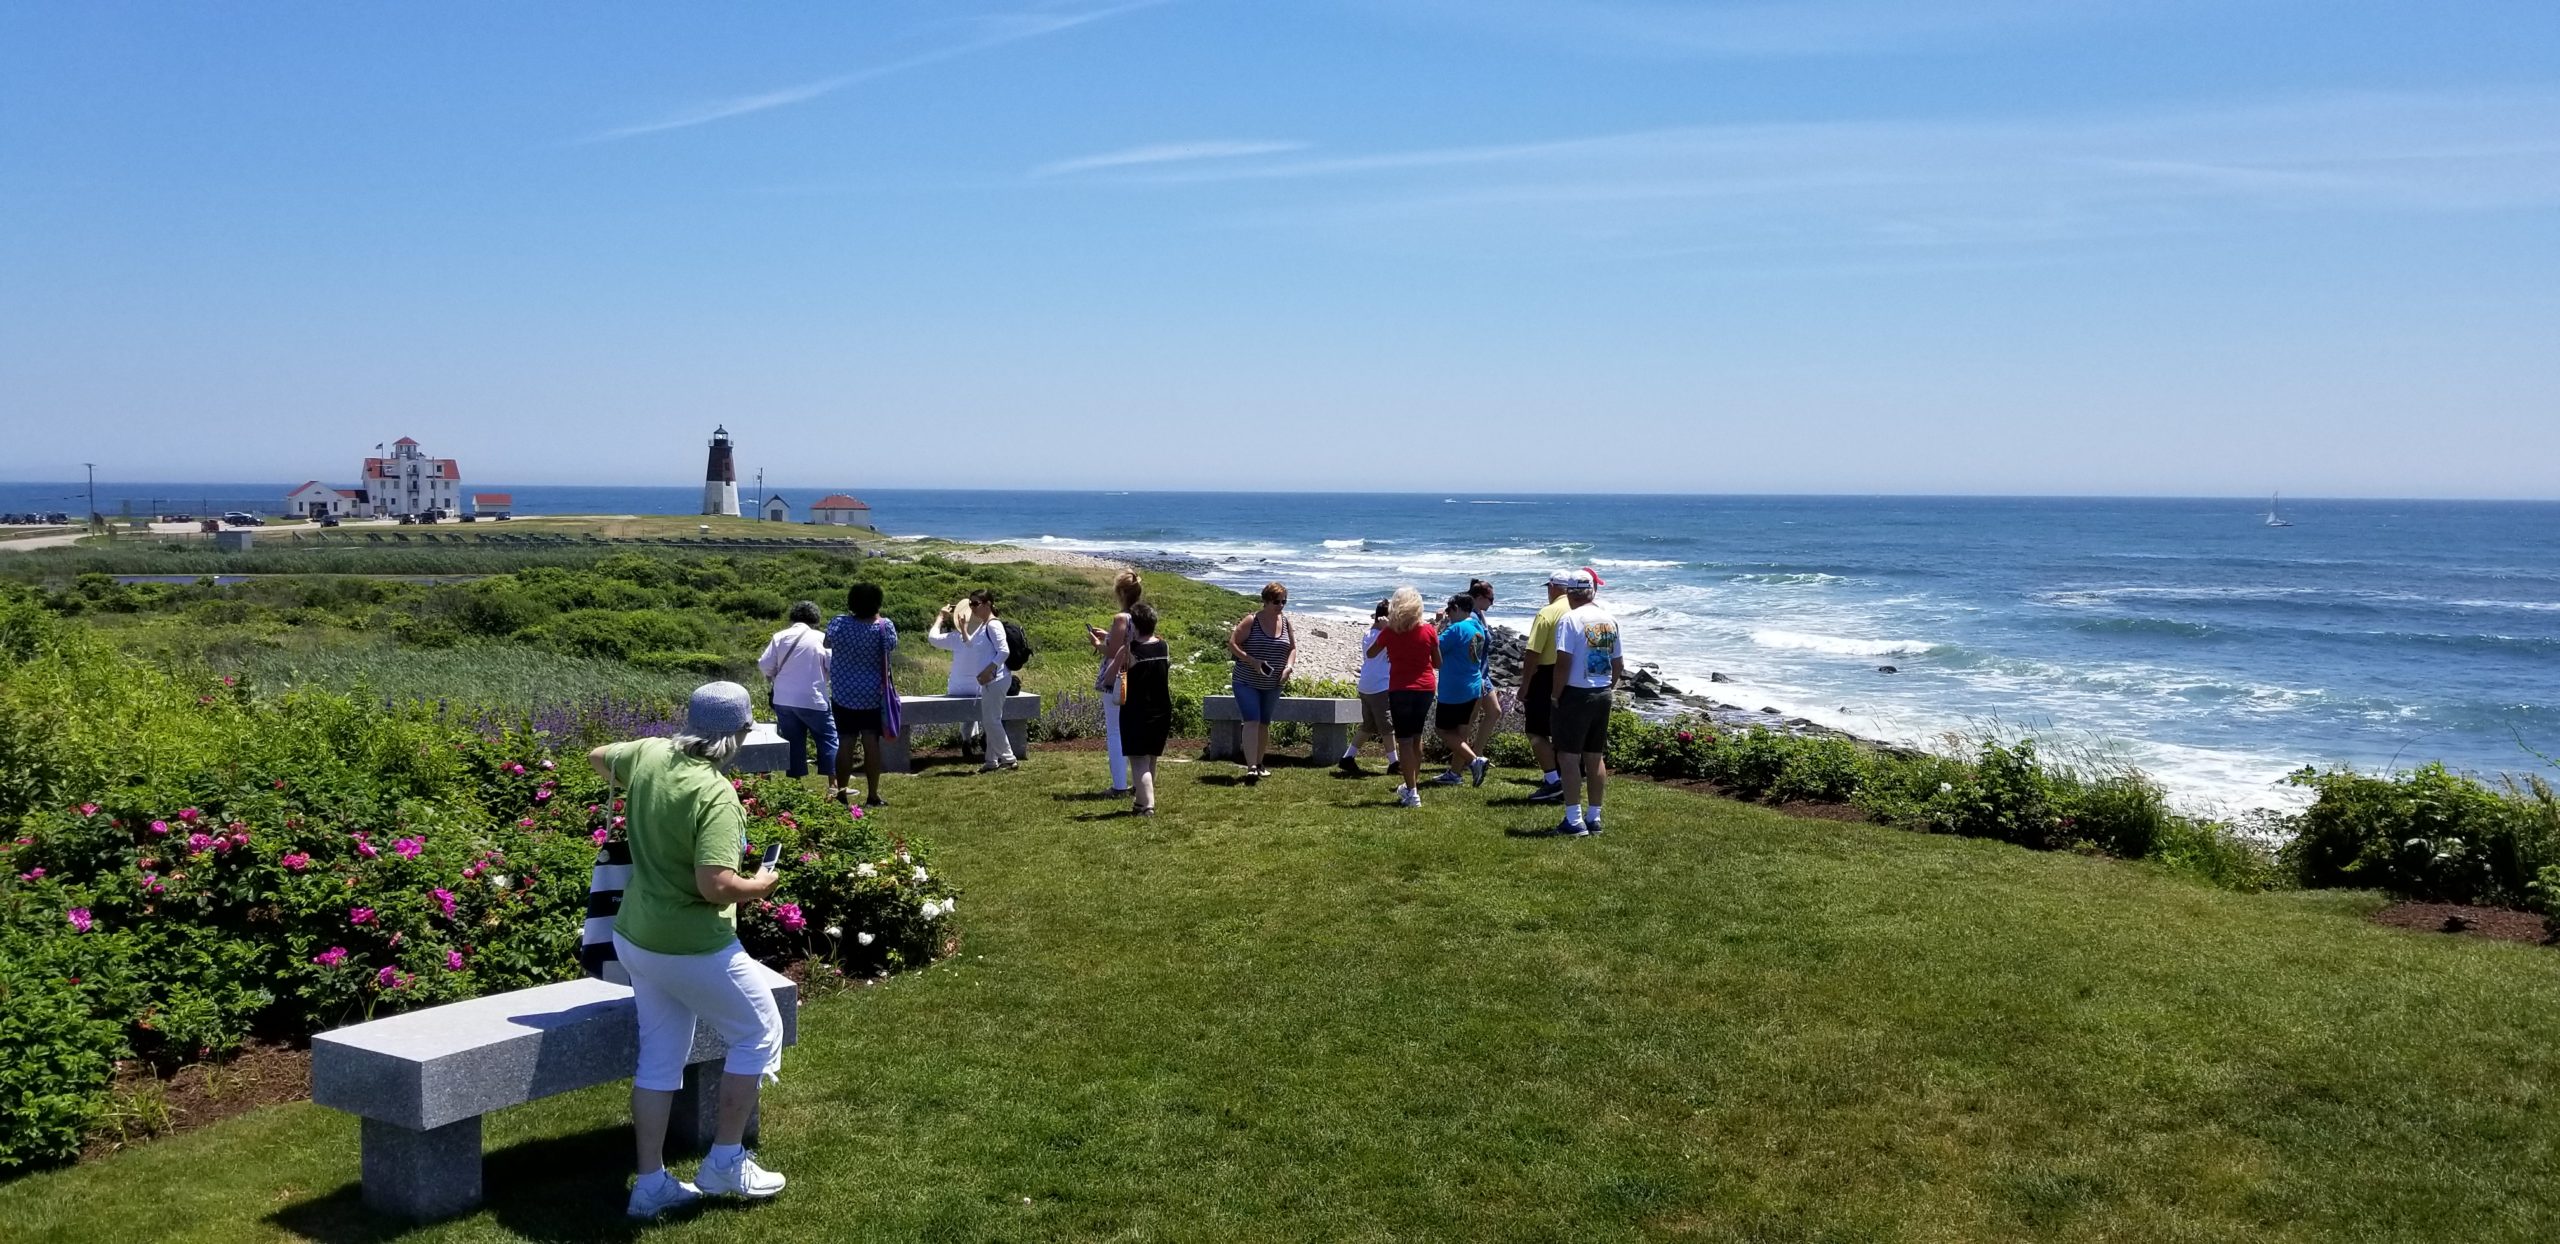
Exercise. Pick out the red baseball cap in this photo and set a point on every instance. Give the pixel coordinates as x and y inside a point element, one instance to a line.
<point>1596,580</point>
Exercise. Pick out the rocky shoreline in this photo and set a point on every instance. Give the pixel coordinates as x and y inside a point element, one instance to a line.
<point>1329,648</point>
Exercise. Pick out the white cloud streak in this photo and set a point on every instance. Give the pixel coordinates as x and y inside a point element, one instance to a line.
<point>994,31</point>
<point>1167,153</point>
<point>1781,28</point>
<point>1934,183</point>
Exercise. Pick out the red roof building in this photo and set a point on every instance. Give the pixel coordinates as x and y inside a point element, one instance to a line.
<point>492,504</point>
<point>839,510</point>
<point>409,482</point>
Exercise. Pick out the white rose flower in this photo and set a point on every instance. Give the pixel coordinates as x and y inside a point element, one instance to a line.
<point>863,938</point>
<point>932,910</point>
<point>1946,788</point>
<point>835,933</point>
<point>920,877</point>
<point>865,870</point>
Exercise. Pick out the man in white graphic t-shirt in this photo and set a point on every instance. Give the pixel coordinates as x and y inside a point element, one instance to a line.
<point>1590,660</point>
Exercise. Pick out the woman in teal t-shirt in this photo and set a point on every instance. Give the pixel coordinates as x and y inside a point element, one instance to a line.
<point>677,935</point>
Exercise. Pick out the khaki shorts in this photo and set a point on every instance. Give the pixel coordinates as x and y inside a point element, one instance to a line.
<point>1374,721</point>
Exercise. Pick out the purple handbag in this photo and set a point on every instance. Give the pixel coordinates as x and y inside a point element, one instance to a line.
<point>891,726</point>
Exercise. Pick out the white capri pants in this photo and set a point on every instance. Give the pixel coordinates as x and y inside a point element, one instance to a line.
<point>991,701</point>
<point>673,991</point>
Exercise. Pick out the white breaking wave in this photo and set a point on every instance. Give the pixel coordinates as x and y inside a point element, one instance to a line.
<point>1611,564</point>
<point>1840,645</point>
<point>1351,544</point>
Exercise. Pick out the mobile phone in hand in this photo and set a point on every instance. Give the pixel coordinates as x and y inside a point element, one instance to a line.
<point>772,857</point>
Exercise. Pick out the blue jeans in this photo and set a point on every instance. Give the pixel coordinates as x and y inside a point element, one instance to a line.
<point>1254,703</point>
<point>797,726</point>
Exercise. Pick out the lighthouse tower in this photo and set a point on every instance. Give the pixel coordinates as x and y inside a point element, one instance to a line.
<point>720,481</point>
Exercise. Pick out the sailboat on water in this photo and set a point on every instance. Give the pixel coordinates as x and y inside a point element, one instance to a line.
<point>2274,519</point>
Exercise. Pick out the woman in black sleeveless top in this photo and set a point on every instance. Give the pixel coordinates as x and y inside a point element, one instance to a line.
<point>1146,708</point>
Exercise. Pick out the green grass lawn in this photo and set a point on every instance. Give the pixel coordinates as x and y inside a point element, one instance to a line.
<point>1296,1013</point>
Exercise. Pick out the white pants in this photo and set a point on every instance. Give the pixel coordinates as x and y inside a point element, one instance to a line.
<point>673,991</point>
<point>991,700</point>
<point>1111,737</point>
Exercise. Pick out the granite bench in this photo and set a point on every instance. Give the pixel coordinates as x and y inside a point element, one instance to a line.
<point>925,711</point>
<point>420,1081</point>
<point>1329,720</point>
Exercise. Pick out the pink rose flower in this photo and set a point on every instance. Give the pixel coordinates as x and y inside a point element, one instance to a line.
<point>79,917</point>
<point>526,823</point>
<point>453,961</point>
<point>854,811</point>
<point>367,850</point>
<point>444,900</point>
<point>391,978</point>
<point>159,827</point>
<point>359,915</point>
<point>543,795</point>
<point>601,836</point>
<point>295,861</point>
<point>1687,737</point>
<point>547,766</point>
<point>331,957</point>
<point>190,815</point>
<point>409,847</point>
<point>88,809</point>
<point>198,844</point>
<point>789,915</point>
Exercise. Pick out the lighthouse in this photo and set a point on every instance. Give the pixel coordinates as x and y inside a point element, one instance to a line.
<point>720,480</point>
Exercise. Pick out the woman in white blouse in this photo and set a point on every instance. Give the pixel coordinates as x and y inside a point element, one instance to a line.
<point>970,633</point>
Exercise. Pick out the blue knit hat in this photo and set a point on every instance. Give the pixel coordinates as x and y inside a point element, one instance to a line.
<point>718,710</point>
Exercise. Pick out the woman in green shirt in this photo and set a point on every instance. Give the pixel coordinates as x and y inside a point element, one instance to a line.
<point>677,935</point>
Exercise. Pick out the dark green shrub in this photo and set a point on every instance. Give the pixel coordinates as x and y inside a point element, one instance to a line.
<point>1820,770</point>
<point>2430,834</point>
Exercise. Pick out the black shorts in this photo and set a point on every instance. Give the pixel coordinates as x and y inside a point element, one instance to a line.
<point>1144,735</point>
<point>1582,721</point>
<point>853,721</point>
<point>1409,711</point>
<point>1537,703</point>
<point>1455,716</point>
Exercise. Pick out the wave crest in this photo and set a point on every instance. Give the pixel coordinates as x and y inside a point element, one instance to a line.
<point>1839,645</point>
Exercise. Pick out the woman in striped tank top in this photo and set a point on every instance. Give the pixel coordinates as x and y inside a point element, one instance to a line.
<point>1265,648</point>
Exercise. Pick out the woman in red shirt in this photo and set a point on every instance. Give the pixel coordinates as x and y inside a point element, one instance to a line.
<point>1412,648</point>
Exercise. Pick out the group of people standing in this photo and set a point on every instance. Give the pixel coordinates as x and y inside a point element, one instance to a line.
<point>676,931</point>
<point>1438,670</point>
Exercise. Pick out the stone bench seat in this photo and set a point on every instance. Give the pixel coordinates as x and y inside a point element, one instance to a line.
<point>765,752</point>
<point>421,1081</point>
<point>926,711</point>
<point>1330,720</point>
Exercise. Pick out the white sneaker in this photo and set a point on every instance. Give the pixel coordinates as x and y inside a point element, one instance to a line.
<point>1408,797</point>
<point>655,1194</point>
<point>740,1178</point>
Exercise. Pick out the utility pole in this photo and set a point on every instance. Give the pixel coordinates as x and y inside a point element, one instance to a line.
<point>759,492</point>
<point>92,524</point>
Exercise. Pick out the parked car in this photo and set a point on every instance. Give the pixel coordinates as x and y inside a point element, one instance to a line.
<point>328,520</point>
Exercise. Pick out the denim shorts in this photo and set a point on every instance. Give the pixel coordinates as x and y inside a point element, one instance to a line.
<point>1252,702</point>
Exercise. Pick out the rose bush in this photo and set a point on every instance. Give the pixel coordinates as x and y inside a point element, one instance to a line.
<point>187,863</point>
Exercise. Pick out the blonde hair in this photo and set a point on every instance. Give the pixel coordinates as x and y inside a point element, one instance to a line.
<point>1128,588</point>
<point>1404,609</point>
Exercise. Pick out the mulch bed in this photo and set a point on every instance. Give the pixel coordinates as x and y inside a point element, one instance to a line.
<point>262,1073</point>
<point>2495,923</point>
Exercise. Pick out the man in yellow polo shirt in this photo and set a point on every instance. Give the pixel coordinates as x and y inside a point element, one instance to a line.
<point>1537,687</point>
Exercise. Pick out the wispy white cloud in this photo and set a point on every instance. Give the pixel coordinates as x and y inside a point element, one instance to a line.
<point>1167,153</point>
<point>1908,183</point>
<point>1753,28</point>
<point>993,30</point>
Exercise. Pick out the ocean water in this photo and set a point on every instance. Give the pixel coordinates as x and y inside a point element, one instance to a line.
<point>2185,636</point>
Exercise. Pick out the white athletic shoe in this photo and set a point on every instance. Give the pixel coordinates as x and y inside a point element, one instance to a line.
<point>740,1178</point>
<point>1408,797</point>
<point>657,1193</point>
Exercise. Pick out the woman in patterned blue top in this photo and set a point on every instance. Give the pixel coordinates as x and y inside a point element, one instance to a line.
<point>859,645</point>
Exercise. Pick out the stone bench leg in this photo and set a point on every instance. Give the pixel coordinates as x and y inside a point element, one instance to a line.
<point>1331,741</point>
<point>1017,735</point>
<point>1226,740</point>
<point>893,755</point>
<point>695,1121</point>
<point>421,1175</point>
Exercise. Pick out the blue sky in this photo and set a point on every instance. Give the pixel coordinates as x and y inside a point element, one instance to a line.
<point>2024,246</point>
